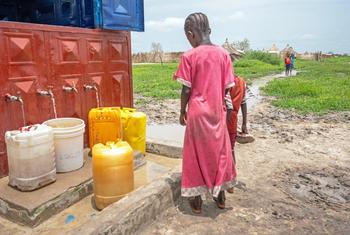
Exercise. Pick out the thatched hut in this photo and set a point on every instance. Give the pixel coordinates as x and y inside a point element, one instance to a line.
<point>234,53</point>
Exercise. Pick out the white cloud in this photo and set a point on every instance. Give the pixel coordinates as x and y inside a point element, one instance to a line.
<point>165,25</point>
<point>237,15</point>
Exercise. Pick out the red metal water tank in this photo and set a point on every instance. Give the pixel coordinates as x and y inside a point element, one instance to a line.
<point>68,61</point>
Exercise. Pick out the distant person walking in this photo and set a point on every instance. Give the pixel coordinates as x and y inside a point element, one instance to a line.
<point>206,75</point>
<point>288,64</point>
<point>292,60</point>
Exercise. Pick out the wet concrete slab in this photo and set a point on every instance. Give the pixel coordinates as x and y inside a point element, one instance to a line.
<point>165,139</point>
<point>32,208</point>
<point>167,133</point>
<point>31,200</point>
<point>83,211</point>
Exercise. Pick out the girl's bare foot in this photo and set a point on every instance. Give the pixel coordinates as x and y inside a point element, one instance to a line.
<point>196,204</point>
<point>220,200</point>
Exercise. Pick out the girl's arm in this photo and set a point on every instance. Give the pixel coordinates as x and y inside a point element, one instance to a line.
<point>228,103</point>
<point>244,112</point>
<point>185,95</point>
<point>244,117</point>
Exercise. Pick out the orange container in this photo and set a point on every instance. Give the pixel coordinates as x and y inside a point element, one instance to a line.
<point>104,125</point>
<point>113,173</point>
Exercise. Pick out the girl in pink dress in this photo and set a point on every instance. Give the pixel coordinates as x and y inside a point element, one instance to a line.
<point>206,75</point>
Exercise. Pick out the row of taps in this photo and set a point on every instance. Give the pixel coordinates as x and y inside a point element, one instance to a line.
<point>49,92</point>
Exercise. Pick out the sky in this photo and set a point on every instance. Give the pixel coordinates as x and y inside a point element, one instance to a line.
<point>307,25</point>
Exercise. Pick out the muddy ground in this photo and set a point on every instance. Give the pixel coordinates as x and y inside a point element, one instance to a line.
<point>294,179</point>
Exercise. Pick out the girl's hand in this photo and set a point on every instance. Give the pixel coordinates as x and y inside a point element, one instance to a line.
<point>244,129</point>
<point>183,117</point>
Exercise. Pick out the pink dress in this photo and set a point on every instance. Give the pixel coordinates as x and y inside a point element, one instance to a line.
<point>207,158</point>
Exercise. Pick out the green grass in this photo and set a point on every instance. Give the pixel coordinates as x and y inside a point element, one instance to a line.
<point>249,69</point>
<point>320,87</point>
<point>155,80</point>
<point>264,57</point>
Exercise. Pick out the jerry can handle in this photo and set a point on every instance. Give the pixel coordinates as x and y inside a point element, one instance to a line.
<point>28,128</point>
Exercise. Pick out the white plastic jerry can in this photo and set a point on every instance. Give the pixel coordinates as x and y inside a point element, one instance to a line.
<point>31,157</point>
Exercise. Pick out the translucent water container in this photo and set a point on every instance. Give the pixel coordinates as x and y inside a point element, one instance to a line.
<point>134,128</point>
<point>113,173</point>
<point>104,125</point>
<point>31,157</point>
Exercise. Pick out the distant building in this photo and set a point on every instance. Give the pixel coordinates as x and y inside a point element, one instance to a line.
<point>307,56</point>
<point>274,50</point>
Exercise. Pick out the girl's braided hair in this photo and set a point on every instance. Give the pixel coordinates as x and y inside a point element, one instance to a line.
<point>197,21</point>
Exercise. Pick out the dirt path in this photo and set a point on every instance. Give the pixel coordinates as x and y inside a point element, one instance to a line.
<point>295,178</point>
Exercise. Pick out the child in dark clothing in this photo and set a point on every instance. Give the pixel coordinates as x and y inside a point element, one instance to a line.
<point>288,64</point>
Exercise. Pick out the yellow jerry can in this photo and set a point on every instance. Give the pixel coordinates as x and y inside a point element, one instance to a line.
<point>104,125</point>
<point>113,173</point>
<point>134,128</point>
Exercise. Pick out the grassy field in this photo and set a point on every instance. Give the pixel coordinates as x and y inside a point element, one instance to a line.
<point>249,69</point>
<point>319,87</point>
<point>155,80</point>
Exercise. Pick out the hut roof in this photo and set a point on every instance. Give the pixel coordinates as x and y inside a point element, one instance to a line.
<point>231,49</point>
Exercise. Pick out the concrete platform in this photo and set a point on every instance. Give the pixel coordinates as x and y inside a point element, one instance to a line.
<point>32,208</point>
<point>165,139</point>
<point>170,134</point>
<point>147,182</point>
<point>136,210</point>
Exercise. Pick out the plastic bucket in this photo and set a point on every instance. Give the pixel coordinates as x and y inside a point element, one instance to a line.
<point>69,143</point>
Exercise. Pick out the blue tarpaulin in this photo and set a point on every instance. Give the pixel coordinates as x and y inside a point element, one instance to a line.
<point>106,14</point>
<point>122,14</point>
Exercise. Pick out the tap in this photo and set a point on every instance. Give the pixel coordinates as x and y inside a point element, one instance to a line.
<point>71,88</point>
<point>9,97</point>
<point>48,92</point>
<point>90,87</point>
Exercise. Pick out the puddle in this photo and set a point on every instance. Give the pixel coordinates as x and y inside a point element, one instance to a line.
<point>326,187</point>
<point>148,172</point>
<point>166,132</point>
